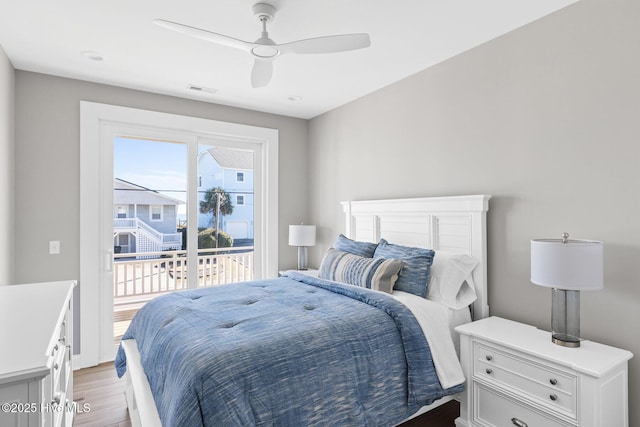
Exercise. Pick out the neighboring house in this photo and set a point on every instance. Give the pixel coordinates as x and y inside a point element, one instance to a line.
<point>231,170</point>
<point>144,219</point>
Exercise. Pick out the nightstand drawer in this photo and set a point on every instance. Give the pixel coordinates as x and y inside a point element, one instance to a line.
<point>496,410</point>
<point>552,388</point>
<point>525,368</point>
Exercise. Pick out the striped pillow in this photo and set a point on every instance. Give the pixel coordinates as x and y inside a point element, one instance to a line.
<point>373,273</point>
<point>414,277</point>
<point>364,249</point>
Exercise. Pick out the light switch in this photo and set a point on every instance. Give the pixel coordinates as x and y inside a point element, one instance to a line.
<point>54,247</point>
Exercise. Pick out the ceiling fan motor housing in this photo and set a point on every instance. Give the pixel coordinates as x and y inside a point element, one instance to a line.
<point>264,11</point>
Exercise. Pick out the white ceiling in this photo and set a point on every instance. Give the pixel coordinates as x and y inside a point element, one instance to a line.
<point>407,36</point>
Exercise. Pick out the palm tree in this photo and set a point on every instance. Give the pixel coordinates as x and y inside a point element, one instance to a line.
<point>218,203</point>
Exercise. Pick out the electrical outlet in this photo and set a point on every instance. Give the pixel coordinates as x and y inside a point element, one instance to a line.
<point>54,247</point>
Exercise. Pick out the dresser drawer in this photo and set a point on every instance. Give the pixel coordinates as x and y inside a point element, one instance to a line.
<point>497,410</point>
<point>550,387</point>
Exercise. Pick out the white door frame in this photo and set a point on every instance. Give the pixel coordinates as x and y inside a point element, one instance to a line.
<point>98,124</point>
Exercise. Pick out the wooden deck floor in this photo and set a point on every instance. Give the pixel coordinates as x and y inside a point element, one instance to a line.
<point>104,392</point>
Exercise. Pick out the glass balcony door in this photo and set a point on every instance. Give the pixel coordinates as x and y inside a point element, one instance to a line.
<point>101,125</point>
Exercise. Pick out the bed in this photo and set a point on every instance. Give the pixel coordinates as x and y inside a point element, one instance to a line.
<point>303,350</point>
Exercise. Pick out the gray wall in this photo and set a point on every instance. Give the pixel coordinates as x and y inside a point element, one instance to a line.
<point>48,169</point>
<point>7,132</point>
<point>545,119</point>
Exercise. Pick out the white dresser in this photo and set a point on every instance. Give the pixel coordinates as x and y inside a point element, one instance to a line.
<point>36,376</point>
<point>517,377</point>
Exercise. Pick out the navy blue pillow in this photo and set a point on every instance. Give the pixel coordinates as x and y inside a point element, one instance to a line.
<point>414,276</point>
<point>363,249</point>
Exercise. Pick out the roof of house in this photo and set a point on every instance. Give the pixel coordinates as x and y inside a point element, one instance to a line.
<point>231,158</point>
<point>137,194</point>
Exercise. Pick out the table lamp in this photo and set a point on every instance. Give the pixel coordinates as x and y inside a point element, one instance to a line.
<point>302,236</point>
<point>567,266</point>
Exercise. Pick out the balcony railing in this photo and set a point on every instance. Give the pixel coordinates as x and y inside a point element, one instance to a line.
<point>139,279</point>
<point>157,240</point>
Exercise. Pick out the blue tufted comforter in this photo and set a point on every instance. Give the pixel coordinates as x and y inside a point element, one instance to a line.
<point>292,351</point>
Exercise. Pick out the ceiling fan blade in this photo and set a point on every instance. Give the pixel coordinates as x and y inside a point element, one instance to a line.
<point>328,44</point>
<point>261,73</point>
<point>205,35</point>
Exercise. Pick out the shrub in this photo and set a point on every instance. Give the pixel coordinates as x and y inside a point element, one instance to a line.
<point>207,239</point>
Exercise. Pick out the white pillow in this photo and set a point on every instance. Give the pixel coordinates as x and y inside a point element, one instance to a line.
<point>451,283</point>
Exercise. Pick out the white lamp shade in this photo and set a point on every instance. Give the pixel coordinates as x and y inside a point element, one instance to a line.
<point>575,265</point>
<point>302,235</point>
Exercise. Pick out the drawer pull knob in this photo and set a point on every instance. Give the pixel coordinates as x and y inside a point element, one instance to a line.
<point>489,371</point>
<point>553,381</point>
<point>56,366</point>
<point>489,357</point>
<point>519,423</point>
<point>553,397</point>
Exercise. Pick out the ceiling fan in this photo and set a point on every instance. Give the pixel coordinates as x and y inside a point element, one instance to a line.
<point>266,50</point>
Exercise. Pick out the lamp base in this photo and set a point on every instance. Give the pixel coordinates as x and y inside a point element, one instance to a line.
<point>565,340</point>
<point>302,258</point>
<point>565,317</point>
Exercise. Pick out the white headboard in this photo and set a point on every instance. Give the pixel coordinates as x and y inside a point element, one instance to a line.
<point>451,224</point>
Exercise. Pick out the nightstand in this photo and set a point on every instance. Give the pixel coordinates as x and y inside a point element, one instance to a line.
<point>517,377</point>
<point>309,272</point>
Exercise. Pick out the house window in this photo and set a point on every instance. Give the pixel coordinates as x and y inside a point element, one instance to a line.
<point>156,213</point>
<point>239,199</point>
<point>121,211</point>
<point>239,176</point>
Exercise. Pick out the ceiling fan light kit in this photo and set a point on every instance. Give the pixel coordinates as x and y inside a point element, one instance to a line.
<point>265,50</point>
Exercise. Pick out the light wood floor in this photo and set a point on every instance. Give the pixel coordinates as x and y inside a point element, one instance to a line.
<point>103,391</point>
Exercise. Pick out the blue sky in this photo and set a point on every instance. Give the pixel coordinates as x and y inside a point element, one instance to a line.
<point>160,166</point>
<point>156,165</point>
